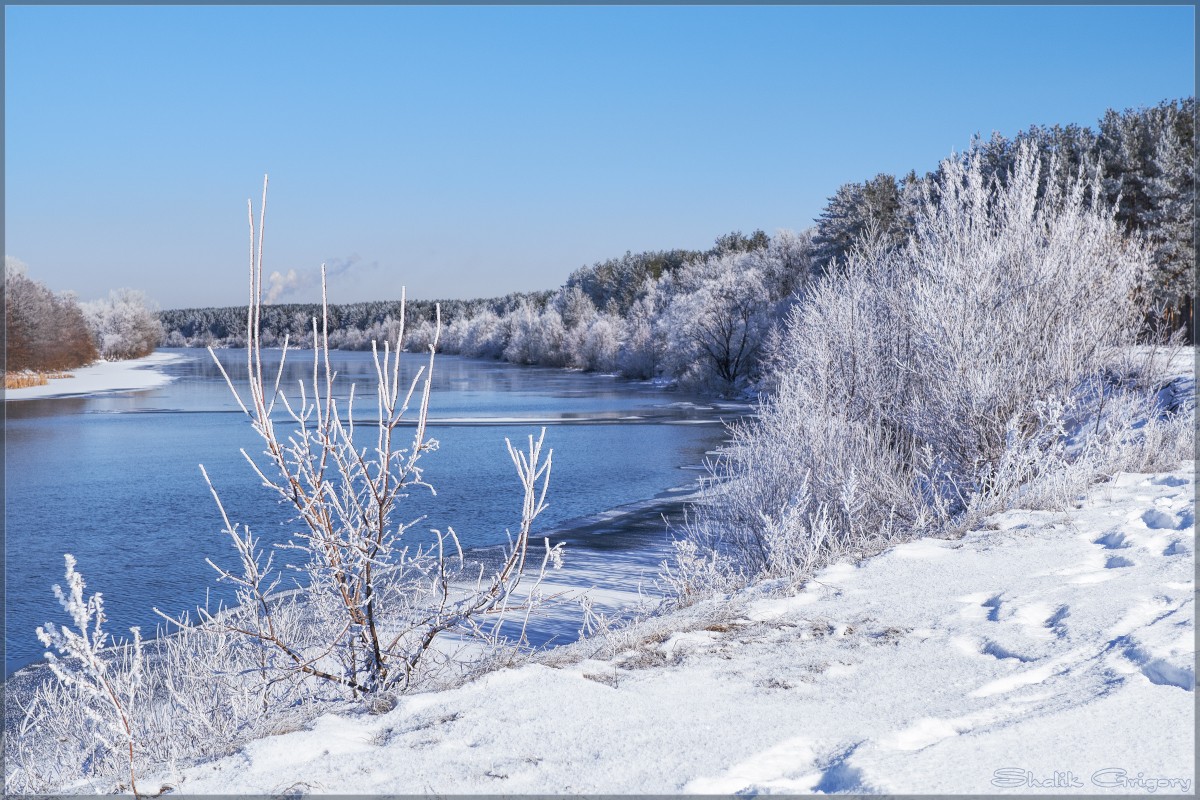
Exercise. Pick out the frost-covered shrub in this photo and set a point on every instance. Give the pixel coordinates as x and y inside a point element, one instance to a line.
<point>904,379</point>
<point>98,694</point>
<point>376,596</point>
<point>695,571</point>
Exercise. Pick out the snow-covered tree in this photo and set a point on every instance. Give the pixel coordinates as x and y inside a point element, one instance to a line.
<point>642,348</point>
<point>573,306</point>
<point>124,325</point>
<point>716,331</point>
<point>855,210</point>
<point>785,263</point>
<point>1171,195</point>
<point>486,335</point>
<point>598,344</point>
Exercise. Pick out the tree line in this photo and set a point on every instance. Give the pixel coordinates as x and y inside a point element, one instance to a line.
<point>1142,158</point>
<point>704,319</point>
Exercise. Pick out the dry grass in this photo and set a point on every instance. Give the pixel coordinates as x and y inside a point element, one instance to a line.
<point>26,378</point>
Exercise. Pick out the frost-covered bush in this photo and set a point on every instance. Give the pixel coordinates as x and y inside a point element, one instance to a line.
<point>376,595</point>
<point>904,379</point>
<point>94,707</point>
<point>123,326</point>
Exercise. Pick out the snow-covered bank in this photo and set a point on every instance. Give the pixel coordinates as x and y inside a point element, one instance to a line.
<point>1048,652</point>
<point>103,376</point>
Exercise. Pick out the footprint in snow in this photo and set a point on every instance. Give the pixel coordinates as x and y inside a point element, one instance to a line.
<point>1116,562</point>
<point>1160,520</point>
<point>1113,540</point>
<point>993,606</point>
<point>999,651</point>
<point>1055,621</point>
<point>1170,480</point>
<point>838,777</point>
<point>1175,548</point>
<point>1187,518</point>
<point>1160,672</point>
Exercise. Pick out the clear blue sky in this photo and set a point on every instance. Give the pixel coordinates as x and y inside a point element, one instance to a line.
<point>473,151</point>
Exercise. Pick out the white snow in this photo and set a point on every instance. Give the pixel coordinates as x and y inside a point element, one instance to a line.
<point>1047,652</point>
<point>103,376</point>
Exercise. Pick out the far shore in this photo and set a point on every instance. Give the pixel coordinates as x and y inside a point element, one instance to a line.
<point>100,377</point>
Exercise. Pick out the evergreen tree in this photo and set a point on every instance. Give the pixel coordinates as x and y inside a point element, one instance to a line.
<point>855,210</point>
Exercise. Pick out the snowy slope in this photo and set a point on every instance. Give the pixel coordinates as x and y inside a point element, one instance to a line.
<point>1049,652</point>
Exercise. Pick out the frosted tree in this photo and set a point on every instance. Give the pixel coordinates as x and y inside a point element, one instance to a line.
<point>573,306</point>
<point>597,345</point>
<point>1171,197</point>
<point>43,330</point>
<point>643,345</point>
<point>854,210</point>
<point>124,325</point>
<point>786,262</point>
<point>537,337</point>
<point>717,330</point>
<point>486,335</point>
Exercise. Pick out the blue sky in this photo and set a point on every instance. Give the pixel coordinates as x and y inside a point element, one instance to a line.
<point>472,151</point>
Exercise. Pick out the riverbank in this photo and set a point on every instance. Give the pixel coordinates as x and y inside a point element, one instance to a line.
<point>102,377</point>
<point>1045,647</point>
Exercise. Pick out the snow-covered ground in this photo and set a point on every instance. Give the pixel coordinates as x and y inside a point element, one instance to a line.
<point>103,376</point>
<point>1048,652</point>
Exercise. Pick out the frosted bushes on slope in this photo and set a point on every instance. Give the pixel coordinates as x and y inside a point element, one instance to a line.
<point>201,692</point>
<point>905,378</point>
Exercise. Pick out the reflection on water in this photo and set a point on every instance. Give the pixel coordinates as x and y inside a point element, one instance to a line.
<point>114,479</point>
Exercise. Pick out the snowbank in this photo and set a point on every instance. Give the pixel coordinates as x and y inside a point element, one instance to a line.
<point>103,376</point>
<point>1050,652</point>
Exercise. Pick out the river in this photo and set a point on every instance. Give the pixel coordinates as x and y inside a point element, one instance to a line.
<point>114,478</point>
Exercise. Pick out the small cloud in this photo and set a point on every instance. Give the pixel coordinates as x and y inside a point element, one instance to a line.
<point>336,267</point>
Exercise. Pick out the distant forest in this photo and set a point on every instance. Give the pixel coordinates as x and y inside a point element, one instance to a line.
<point>352,325</point>
<point>705,319</point>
